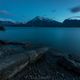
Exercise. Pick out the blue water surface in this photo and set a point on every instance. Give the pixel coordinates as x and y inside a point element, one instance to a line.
<point>65,39</point>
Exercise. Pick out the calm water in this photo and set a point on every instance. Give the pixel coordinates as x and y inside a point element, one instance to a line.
<point>65,39</point>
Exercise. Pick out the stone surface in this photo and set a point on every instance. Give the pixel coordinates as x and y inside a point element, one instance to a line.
<point>70,65</point>
<point>44,63</point>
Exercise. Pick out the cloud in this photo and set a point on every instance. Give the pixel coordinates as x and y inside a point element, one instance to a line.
<point>75,9</point>
<point>4,12</point>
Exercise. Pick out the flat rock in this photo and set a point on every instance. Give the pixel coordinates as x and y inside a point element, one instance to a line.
<point>74,57</point>
<point>69,64</point>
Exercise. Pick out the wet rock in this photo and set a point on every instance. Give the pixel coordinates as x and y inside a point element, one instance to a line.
<point>2,42</point>
<point>74,57</point>
<point>13,67</point>
<point>2,28</point>
<point>39,62</point>
<point>35,55</point>
<point>23,44</point>
<point>69,65</point>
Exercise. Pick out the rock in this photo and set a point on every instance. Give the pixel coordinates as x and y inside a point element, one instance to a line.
<point>69,64</point>
<point>2,28</point>
<point>15,43</point>
<point>14,65</point>
<point>2,42</point>
<point>24,45</point>
<point>74,57</point>
<point>35,55</point>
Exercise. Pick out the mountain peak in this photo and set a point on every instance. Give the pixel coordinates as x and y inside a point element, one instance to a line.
<point>42,18</point>
<point>74,18</point>
<point>42,21</point>
<point>39,17</point>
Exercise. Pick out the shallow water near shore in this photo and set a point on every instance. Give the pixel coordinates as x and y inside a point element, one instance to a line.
<point>63,39</point>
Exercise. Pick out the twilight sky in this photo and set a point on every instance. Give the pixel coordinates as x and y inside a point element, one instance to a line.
<point>24,10</point>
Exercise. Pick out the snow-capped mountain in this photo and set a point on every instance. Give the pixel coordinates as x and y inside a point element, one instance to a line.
<point>42,18</point>
<point>43,22</point>
<point>9,22</point>
<point>5,22</point>
<point>71,23</point>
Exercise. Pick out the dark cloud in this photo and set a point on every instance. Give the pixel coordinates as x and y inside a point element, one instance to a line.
<point>75,9</point>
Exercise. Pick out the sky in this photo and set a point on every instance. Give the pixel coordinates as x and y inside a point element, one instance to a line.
<point>25,10</point>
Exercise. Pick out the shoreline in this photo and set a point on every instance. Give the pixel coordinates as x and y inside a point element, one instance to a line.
<point>37,62</point>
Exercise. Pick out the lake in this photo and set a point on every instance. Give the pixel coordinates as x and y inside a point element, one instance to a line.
<point>64,39</point>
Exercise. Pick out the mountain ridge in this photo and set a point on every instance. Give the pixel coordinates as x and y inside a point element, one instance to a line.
<point>39,21</point>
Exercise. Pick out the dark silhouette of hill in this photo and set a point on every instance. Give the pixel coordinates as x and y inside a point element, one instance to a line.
<point>3,23</point>
<point>71,23</point>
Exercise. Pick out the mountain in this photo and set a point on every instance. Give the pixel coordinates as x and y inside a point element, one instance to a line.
<point>71,23</point>
<point>10,23</point>
<point>43,22</point>
<point>6,22</point>
<point>37,22</point>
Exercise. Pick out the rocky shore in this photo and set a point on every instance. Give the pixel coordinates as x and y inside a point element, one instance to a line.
<point>36,63</point>
<point>2,28</point>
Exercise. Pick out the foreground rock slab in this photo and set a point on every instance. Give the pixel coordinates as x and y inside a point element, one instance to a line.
<point>69,64</point>
<point>12,69</point>
<point>40,63</point>
<point>45,68</point>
